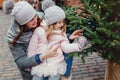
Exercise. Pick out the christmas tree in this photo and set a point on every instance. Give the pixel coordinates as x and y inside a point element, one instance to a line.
<point>100,21</point>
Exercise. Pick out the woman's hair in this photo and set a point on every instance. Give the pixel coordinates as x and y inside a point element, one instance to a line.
<point>52,27</point>
<point>38,21</point>
<point>23,28</point>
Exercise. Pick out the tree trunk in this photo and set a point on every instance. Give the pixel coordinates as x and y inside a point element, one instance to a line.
<point>112,71</point>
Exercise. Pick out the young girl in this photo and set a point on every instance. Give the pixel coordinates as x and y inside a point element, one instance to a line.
<point>67,76</point>
<point>51,35</point>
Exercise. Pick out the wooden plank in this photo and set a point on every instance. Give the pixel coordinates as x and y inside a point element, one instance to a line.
<point>1,1</point>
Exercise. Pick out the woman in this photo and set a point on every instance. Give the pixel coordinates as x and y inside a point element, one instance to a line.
<point>19,35</point>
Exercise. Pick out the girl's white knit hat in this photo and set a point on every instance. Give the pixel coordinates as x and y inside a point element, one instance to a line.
<point>23,12</point>
<point>54,14</point>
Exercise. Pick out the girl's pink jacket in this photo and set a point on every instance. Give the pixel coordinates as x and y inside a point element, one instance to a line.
<point>54,65</point>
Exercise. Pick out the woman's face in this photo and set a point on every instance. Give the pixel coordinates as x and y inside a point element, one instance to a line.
<point>33,22</point>
<point>59,25</point>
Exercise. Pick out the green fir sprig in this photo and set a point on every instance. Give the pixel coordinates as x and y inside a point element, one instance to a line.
<point>100,21</point>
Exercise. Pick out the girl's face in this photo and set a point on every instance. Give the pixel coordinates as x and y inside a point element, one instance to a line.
<point>59,25</point>
<point>33,22</point>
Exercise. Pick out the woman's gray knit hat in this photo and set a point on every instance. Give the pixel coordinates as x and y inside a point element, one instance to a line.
<point>46,4</point>
<point>23,12</point>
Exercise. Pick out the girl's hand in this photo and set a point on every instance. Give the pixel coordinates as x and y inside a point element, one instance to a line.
<point>75,34</point>
<point>50,52</point>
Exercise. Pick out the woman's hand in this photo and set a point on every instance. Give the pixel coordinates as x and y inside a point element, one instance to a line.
<point>75,34</point>
<point>50,52</point>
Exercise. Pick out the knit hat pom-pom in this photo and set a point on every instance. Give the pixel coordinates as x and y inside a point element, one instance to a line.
<point>47,3</point>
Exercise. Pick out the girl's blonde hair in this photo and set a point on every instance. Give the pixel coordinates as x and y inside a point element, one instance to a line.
<point>52,27</point>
